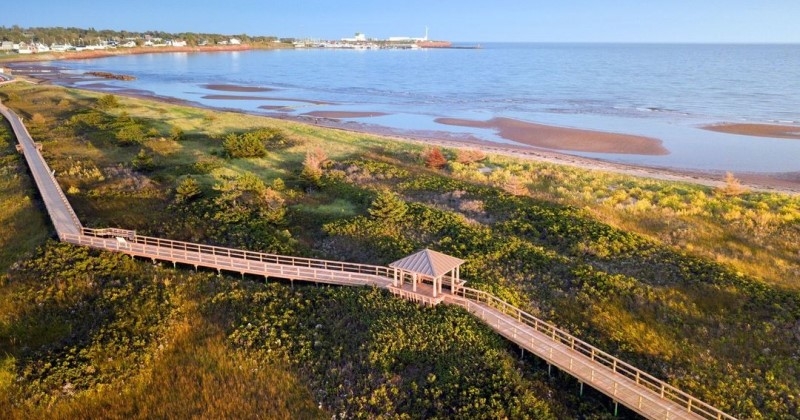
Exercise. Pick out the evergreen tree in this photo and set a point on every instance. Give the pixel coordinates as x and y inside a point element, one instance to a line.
<point>388,206</point>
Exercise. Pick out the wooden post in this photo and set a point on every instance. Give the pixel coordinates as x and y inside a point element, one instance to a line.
<point>414,282</point>
<point>434,286</point>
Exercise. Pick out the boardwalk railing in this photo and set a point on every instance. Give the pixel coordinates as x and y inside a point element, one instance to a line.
<point>63,197</point>
<point>26,137</point>
<point>416,297</point>
<point>615,365</point>
<point>169,247</point>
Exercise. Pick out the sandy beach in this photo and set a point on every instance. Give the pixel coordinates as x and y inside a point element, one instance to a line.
<point>776,131</point>
<point>562,138</point>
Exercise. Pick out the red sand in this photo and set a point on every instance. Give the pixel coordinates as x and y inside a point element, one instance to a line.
<point>562,138</point>
<point>758,130</point>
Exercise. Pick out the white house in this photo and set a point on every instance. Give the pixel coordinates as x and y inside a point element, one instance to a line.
<point>359,37</point>
<point>176,43</point>
<point>6,46</point>
<point>234,41</point>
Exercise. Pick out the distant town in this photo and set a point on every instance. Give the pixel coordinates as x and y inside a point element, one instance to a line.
<point>24,41</point>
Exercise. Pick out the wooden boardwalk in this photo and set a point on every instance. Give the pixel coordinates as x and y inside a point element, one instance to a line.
<point>625,384</point>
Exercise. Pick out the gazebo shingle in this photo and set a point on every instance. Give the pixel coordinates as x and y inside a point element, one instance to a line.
<point>428,263</point>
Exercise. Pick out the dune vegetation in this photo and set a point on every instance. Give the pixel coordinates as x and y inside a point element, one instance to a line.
<point>698,286</point>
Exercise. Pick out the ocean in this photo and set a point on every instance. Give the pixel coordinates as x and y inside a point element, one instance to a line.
<point>657,90</point>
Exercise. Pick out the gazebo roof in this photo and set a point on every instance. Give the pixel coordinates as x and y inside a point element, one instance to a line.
<point>428,263</point>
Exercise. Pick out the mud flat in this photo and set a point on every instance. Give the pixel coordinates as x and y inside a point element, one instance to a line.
<point>776,131</point>
<point>563,138</point>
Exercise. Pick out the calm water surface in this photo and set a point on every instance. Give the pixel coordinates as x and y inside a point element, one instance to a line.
<point>663,91</point>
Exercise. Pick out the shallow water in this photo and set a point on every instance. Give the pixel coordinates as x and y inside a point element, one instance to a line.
<point>663,91</point>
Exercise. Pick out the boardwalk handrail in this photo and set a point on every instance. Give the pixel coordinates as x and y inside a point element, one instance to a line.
<point>415,297</point>
<point>9,115</point>
<point>52,176</point>
<point>667,391</point>
<point>374,270</point>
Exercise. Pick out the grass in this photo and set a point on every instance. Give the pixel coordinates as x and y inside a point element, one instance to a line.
<point>680,279</point>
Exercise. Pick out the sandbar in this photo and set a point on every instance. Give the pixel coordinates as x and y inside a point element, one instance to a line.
<point>344,114</point>
<point>776,131</point>
<point>236,88</point>
<point>563,138</point>
<point>275,107</point>
<point>262,98</point>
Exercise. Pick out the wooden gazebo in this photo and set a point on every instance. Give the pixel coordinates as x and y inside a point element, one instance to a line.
<point>428,265</point>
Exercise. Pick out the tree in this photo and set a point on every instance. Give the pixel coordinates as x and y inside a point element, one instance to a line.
<point>732,186</point>
<point>176,133</point>
<point>388,206</point>
<point>312,166</point>
<point>188,189</point>
<point>130,134</point>
<point>468,156</point>
<point>244,146</point>
<point>434,158</point>
<point>143,161</point>
<point>107,102</point>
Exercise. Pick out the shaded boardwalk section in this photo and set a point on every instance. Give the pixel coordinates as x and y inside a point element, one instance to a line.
<point>427,271</point>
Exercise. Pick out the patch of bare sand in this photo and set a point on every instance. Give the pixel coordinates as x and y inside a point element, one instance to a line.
<point>776,131</point>
<point>344,114</point>
<point>563,138</point>
<point>236,88</point>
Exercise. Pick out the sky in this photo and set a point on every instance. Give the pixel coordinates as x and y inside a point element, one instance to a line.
<point>692,21</point>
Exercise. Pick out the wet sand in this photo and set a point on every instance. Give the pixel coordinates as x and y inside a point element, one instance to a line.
<point>758,130</point>
<point>276,108</point>
<point>236,88</point>
<point>562,138</point>
<point>344,114</point>
<point>262,98</point>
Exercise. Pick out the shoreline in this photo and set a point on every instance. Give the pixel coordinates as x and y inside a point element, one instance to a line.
<point>779,182</point>
<point>90,54</point>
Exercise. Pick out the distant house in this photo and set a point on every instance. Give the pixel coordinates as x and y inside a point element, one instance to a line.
<point>129,44</point>
<point>24,48</point>
<point>6,46</point>
<point>234,41</point>
<point>176,43</point>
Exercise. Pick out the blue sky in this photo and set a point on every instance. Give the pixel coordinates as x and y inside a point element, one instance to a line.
<point>750,21</point>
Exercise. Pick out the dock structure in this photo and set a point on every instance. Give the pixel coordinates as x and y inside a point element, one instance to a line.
<point>427,277</point>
